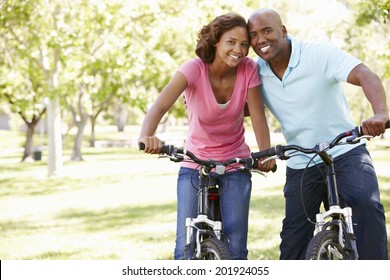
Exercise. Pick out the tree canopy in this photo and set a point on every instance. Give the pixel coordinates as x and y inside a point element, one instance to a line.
<point>90,54</point>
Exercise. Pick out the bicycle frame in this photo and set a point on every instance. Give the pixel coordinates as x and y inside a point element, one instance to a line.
<point>206,224</point>
<point>336,218</point>
<point>203,215</point>
<point>335,215</point>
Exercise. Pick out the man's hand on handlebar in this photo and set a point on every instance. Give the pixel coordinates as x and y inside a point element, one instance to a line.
<point>375,126</point>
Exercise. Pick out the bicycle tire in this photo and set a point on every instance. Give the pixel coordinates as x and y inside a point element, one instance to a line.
<point>325,246</point>
<point>214,249</point>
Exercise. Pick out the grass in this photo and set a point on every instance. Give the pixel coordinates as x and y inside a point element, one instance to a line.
<point>120,204</point>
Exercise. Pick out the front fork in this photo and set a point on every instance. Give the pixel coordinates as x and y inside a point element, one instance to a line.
<point>191,223</point>
<point>346,212</point>
<point>202,219</point>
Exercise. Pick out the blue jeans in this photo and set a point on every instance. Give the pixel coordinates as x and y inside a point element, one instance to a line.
<point>358,188</point>
<point>234,193</point>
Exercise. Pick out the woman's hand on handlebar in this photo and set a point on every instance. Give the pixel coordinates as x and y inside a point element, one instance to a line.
<point>152,144</point>
<point>269,165</point>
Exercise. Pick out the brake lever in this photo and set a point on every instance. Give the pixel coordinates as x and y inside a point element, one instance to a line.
<point>269,158</point>
<point>355,140</point>
<point>258,172</point>
<point>250,165</point>
<point>174,158</point>
<point>282,156</point>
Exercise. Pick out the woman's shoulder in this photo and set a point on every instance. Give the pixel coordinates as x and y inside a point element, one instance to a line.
<point>194,62</point>
<point>194,70</point>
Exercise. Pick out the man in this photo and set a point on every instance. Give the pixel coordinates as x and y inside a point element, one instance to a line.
<point>301,87</point>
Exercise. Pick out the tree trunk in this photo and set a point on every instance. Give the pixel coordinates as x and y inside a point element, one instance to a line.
<point>27,154</point>
<point>92,136</point>
<point>76,155</point>
<point>121,117</point>
<point>54,137</point>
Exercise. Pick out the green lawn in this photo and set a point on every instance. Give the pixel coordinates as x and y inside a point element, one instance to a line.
<point>120,204</point>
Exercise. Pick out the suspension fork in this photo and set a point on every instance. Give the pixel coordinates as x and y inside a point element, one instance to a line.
<point>202,217</point>
<point>203,205</point>
<point>334,203</point>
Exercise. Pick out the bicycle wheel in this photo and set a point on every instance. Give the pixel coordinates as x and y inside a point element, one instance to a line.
<point>325,246</point>
<point>214,249</point>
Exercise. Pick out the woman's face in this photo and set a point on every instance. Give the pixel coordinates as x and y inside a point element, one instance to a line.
<point>233,46</point>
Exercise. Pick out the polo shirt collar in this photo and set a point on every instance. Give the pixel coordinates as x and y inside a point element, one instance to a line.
<point>295,52</point>
<point>294,59</point>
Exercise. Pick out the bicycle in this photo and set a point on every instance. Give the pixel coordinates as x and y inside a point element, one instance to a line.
<point>207,226</point>
<point>333,237</point>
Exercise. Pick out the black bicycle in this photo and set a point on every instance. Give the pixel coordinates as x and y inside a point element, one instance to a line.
<point>334,238</point>
<point>204,236</point>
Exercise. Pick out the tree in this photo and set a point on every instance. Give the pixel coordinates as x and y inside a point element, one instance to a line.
<point>84,55</point>
<point>36,55</point>
<point>367,38</point>
<point>98,74</point>
<point>29,106</point>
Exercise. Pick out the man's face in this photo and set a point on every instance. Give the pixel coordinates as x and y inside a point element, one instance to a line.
<point>267,35</point>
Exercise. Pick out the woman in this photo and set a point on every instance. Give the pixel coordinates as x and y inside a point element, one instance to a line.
<point>217,86</point>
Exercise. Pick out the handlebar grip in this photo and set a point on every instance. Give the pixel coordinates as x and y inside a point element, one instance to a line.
<point>165,149</point>
<point>359,129</point>
<point>265,153</point>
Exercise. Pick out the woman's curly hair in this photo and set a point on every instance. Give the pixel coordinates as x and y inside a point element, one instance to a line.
<point>210,34</point>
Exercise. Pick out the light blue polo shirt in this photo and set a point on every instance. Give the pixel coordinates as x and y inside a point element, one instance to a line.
<point>309,101</point>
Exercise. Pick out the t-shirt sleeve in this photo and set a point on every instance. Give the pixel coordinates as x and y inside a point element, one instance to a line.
<point>191,70</point>
<point>253,73</point>
<point>339,63</point>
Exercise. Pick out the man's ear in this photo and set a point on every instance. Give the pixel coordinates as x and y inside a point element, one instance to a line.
<point>284,31</point>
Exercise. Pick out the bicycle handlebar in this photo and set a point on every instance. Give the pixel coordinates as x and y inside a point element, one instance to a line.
<point>249,163</point>
<point>279,150</point>
<point>172,150</point>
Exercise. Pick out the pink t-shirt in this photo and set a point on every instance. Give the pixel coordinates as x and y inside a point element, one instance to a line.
<point>214,132</point>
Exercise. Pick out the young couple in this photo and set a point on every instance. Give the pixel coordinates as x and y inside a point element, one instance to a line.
<point>299,81</point>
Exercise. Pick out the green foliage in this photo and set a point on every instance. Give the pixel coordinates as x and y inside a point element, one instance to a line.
<point>370,21</point>
<point>372,10</point>
<point>128,50</point>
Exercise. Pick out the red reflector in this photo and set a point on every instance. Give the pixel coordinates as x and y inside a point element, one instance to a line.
<point>213,195</point>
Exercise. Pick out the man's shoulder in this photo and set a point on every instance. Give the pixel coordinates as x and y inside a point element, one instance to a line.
<point>315,45</point>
